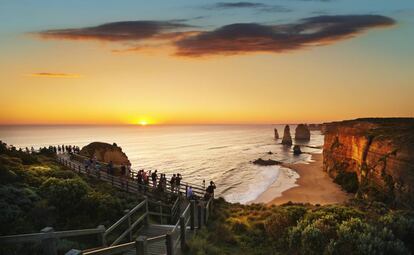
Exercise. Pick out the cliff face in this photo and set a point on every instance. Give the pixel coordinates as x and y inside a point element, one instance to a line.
<point>379,151</point>
<point>105,152</point>
<point>302,132</point>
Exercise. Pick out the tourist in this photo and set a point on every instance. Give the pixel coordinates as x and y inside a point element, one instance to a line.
<point>190,193</point>
<point>32,150</point>
<point>123,174</point>
<point>128,171</point>
<point>97,169</point>
<point>154,179</point>
<point>210,190</point>
<point>87,164</point>
<point>172,183</point>
<point>139,179</point>
<point>110,168</point>
<point>178,182</point>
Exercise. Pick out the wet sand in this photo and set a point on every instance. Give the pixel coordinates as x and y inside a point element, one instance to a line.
<point>313,186</point>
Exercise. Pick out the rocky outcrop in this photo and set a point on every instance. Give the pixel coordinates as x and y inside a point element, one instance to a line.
<point>105,152</point>
<point>379,151</point>
<point>276,134</point>
<point>287,138</point>
<point>266,162</point>
<point>297,150</point>
<point>302,132</point>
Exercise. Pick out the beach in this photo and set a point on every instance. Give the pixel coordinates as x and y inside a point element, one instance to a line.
<point>312,185</point>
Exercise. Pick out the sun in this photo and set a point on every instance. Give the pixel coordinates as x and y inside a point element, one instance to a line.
<point>143,122</point>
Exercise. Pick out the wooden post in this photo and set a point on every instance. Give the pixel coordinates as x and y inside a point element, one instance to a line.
<point>141,245</point>
<point>146,211</point>
<point>169,244</point>
<point>205,214</point>
<point>160,212</point>
<point>129,224</point>
<point>192,214</point>
<point>101,236</point>
<point>182,230</point>
<point>79,169</point>
<point>127,182</point>
<point>49,242</point>
<point>199,211</point>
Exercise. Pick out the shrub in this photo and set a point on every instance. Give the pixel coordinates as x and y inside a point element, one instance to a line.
<point>64,194</point>
<point>348,181</point>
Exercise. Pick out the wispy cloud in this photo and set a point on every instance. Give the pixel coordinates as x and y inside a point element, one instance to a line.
<point>54,75</point>
<point>117,31</point>
<point>239,38</point>
<point>261,7</point>
<point>252,37</point>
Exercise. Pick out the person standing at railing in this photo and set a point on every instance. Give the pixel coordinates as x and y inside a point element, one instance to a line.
<point>97,169</point>
<point>123,174</point>
<point>87,165</point>
<point>178,182</point>
<point>210,190</point>
<point>154,179</point>
<point>190,193</point>
<point>32,150</point>
<point>139,179</point>
<point>110,168</point>
<point>172,183</point>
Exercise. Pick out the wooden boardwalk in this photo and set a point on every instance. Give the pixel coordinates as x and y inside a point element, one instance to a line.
<point>134,233</point>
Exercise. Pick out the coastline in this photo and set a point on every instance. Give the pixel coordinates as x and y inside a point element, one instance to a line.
<point>310,185</point>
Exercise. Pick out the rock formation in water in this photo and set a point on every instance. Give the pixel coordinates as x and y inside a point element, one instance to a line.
<point>266,162</point>
<point>105,152</point>
<point>287,138</point>
<point>276,134</point>
<point>297,150</point>
<point>302,132</point>
<point>379,151</point>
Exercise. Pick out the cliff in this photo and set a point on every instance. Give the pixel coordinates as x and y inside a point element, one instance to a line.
<point>105,152</point>
<point>302,132</point>
<point>380,152</point>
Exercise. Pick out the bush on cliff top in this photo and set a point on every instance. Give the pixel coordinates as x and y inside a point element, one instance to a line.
<point>304,229</point>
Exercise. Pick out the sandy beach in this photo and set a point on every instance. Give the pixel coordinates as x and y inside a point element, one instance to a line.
<point>313,185</point>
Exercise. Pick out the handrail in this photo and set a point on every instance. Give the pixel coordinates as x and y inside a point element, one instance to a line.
<point>116,224</point>
<point>131,226</point>
<point>195,186</point>
<point>35,237</point>
<point>116,249</point>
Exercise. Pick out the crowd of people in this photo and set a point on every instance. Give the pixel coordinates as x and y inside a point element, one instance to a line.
<point>146,180</point>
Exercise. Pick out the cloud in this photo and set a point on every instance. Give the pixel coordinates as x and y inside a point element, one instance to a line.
<point>117,31</point>
<point>239,38</point>
<point>252,37</point>
<point>54,75</point>
<point>260,7</point>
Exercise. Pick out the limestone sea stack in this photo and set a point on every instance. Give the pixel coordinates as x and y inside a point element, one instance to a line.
<point>302,132</point>
<point>297,150</point>
<point>276,134</point>
<point>105,152</point>
<point>378,151</point>
<point>287,138</point>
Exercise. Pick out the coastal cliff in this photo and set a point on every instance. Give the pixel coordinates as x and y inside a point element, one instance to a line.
<point>378,152</point>
<point>105,152</point>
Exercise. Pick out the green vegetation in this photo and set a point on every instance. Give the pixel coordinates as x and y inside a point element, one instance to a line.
<point>356,228</point>
<point>36,192</point>
<point>348,181</point>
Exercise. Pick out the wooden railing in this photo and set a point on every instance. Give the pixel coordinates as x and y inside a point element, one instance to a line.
<point>198,189</point>
<point>49,238</point>
<point>128,219</point>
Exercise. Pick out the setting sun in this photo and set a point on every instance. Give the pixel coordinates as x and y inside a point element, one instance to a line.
<point>143,122</point>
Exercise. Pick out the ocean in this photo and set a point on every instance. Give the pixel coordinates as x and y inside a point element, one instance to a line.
<point>222,153</point>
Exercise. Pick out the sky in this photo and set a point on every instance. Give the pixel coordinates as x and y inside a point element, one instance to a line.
<point>205,62</point>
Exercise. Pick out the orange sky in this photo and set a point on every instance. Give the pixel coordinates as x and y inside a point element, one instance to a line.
<point>85,82</point>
